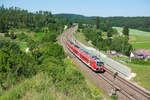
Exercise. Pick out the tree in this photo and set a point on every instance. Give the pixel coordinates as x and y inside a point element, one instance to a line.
<point>99,33</point>
<point>120,44</point>
<point>115,31</point>
<point>109,32</point>
<point>105,26</point>
<point>97,23</point>
<point>3,28</point>
<point>49,37</point>
<point>126,30</point>
<point>45,30</point>
<point>6,35</point>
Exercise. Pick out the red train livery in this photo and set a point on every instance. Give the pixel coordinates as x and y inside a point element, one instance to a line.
<point>90,60</point>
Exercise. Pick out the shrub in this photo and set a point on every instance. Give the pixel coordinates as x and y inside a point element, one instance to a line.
<point>142,62</point>
<point>6,35</point>
<point>14,63</point>
<point>22,36</point>
<point>49,37</point>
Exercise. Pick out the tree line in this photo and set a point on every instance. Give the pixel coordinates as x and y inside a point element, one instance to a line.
<point>140,23</point>
<point>15,17</point>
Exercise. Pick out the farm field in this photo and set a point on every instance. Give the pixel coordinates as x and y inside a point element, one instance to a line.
<point>138,39</point>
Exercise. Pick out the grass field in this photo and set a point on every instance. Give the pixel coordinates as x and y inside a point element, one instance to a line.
<point>142,71</point>
<point>138,39</point>
<point>80,37</point>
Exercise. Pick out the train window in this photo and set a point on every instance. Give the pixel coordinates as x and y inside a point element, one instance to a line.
<point>76,46</point>
<point>71,42</point>
<point>99,63</point>
<point>84,58</point>
<point>94,57</point>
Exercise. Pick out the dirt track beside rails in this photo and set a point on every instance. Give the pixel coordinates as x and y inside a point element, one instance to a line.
<point>106,80</point>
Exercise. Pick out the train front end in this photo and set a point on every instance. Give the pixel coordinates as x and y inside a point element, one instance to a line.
<point>99,66</point>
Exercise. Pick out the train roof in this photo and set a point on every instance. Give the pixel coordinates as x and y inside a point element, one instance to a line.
<point>94,57</point>
<point>71,42</point>
<point>76,46</point>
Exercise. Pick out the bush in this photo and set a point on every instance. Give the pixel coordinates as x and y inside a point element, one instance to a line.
<point>49,37</point>
<point>6,35</point>
<point>142,62</point>
<point>14,63</point>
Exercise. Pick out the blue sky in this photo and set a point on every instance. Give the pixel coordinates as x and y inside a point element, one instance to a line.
<point>85,7</point>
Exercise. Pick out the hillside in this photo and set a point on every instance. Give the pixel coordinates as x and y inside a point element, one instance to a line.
<point>78,18</point>
<point>32,63</point>
<point>71,16</point>
<point>140,22</point>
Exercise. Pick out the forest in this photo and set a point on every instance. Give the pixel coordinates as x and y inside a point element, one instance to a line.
<point>15,17</point>
<point>140,23</point>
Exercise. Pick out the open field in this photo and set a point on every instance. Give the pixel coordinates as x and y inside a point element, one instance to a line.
<point>142,71</point>
<point>138,39</point>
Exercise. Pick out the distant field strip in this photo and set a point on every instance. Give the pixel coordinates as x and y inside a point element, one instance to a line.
<point>142,42</point>
<point>138,39</point>
<point>134,32</point>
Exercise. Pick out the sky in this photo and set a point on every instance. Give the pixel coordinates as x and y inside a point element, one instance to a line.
<point>85,7</point>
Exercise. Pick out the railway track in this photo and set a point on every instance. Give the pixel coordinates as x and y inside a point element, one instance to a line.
<point>108,81</point>
<point>129,87</point>
<point>131,91</point>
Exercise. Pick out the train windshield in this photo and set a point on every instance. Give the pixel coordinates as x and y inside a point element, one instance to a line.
<point>100,63</point>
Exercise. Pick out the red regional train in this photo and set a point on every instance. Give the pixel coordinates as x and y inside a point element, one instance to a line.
<point>92,61</point>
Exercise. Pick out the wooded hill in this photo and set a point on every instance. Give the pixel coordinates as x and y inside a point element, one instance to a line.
<point>140,22</point>
<point>14,17</point>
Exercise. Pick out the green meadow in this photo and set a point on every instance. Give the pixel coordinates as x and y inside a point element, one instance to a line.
<point>138,39</point>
